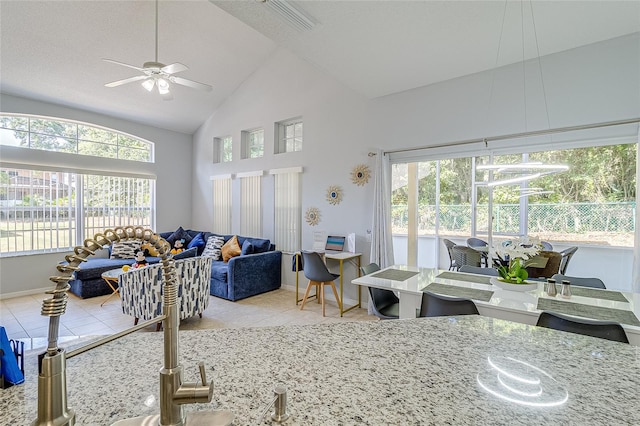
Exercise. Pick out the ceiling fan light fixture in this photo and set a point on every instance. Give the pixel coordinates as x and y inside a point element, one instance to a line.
<point>148,84</point>
<point>163,86</point>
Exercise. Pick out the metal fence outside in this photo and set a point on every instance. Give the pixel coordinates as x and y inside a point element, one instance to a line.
<point>574,218</point>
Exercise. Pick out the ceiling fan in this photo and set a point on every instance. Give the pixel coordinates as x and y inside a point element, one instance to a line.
<point>158,75</point>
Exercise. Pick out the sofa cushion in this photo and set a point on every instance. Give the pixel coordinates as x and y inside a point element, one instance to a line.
<point>247,248</point>
<point>231,249</point>
<point>260,245</point>
<point>213,247</point>
<point>198,242</point>
<point>219,271</point>
<point>179,234</point>
<point>192,252</point>
<point>94,267</point>
<point>125,249</point>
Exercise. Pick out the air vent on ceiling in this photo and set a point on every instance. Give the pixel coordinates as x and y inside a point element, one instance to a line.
<point>291,14</point>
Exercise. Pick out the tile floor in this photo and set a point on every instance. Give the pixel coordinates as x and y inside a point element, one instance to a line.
<point>85,317</point>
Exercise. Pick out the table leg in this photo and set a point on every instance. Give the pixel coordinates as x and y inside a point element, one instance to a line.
<point>114,291</point>
<point>357,305</point>
<point>409,304</point>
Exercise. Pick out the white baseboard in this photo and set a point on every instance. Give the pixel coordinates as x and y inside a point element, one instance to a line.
<point>330,301</point>
<point>28,293</point>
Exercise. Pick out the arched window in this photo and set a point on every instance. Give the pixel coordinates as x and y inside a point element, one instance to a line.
<point>71,137</point>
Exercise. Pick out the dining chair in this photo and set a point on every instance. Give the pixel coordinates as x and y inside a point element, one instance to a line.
<point>603,329</point>
<point>479,270</point>
<point>463,255</point>
<point>437,305</point>
<point>567,254</point>
<point>581,281</point>
<point>552,267</point>
<point>385,303</point>
<point>546,246</point>
<point>450,245</point>
<point>319,276</point>
<point>477,242</point>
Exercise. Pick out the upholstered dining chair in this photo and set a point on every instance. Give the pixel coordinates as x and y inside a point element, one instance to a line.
<point>385,303</point>
<point>477,242</point>
<point>603,329</point>
<point>567,254</point>
<point>437,305</point>
<point>552,267</point>
<point>581,281</point>
<point>463,255</point>
<point>319,276</point>
<point>450,245</point>
<point>546,246</point>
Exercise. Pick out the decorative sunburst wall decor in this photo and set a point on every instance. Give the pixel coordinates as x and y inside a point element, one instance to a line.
<point>334,194</point>
<point>312,216</point>
<point>360,174</point>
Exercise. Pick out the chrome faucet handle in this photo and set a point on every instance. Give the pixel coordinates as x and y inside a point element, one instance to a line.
<point>203,373</point>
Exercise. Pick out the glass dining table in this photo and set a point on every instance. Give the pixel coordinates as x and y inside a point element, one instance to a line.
<point>492,301</point>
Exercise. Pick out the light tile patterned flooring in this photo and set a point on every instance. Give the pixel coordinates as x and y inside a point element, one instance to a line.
<point>85,317</point>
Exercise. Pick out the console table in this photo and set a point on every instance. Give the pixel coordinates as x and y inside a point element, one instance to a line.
<point>340,257</point>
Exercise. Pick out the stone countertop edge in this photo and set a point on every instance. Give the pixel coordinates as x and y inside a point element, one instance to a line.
<point>417,372</point>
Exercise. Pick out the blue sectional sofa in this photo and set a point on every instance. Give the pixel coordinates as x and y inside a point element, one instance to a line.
<point>241,277</point>
<point>245,275</point>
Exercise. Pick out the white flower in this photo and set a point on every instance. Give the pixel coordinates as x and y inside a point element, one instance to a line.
<point>524,248</point>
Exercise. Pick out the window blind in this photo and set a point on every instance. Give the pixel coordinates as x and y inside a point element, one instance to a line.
<point>287,209</point>
<point>222,205</point>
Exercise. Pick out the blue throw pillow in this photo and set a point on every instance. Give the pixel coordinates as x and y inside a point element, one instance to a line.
<point>198,242</point>
<point>179,234</point>
<point>192,252</point>
<point>259,245</point>
<point>247,248</point>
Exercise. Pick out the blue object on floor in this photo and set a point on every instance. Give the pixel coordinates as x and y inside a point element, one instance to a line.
<point>10,369</point>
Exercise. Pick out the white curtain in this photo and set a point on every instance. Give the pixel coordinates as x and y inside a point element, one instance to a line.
<point>287,209</point>
<point>635,275</point>
<point>251,206</point>
<point>222,204</point>
<point>381,237</point>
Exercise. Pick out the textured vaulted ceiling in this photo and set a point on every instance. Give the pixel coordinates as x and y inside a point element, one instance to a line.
<point>52,50</point>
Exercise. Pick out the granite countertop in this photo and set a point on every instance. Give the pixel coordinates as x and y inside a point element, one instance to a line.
<point>402,372</point>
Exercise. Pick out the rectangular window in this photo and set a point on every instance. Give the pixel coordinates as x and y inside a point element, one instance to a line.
<point>222,149</point>
<point>38,209</point>
<point>253,143</point>
<point>288,210</point>
<point>109,201</point>
<point>289,136</point>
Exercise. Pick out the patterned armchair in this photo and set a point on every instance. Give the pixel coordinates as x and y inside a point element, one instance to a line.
<point>141,289</point>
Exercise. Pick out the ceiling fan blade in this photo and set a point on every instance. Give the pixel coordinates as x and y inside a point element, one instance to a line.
<point>190,83</point>
<point>125,81</point>
<point>174,68</point>
<point>123,64</point>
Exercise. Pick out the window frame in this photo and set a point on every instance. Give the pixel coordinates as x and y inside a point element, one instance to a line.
<point>281,137</point>
<point>247,152</point>
<point>119,145</point>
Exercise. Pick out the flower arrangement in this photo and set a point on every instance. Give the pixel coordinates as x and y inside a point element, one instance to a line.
<point>516,252</point>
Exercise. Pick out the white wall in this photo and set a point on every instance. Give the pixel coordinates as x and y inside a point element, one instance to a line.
<point>335,140</point>
<point>591,84</point>
<point>172,167</point>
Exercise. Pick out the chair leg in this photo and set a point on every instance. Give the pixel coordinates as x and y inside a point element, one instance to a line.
<point>135,321</point>
<point>306,294</point>
<point>322,292</point>
<point>335,293</point>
